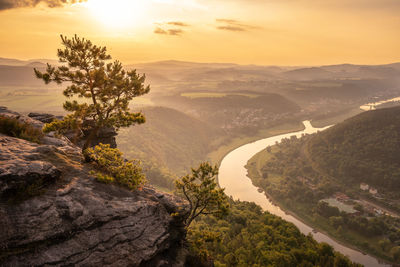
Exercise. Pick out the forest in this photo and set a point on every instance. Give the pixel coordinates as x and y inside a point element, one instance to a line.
<point>362,149</point>
<point>107,107</point>
<point>250,237</point>
<point>305,174</point>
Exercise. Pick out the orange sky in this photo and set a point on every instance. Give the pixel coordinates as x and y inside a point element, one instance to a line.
<point>267,32</point>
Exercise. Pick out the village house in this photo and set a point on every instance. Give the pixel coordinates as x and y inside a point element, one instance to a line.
<point>364,186</point>
<point>341,197</point>
<point>379,212</point>
<point>373,191</point>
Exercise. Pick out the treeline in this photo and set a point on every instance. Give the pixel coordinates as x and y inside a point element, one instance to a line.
<point>250,237</point>
<point>237,114</point>
<point>371,226</point>
<point>289,176</point>
<point>168,140</point>
<point>301,184</point>
<point>299,178</point>
<point>365,148</point>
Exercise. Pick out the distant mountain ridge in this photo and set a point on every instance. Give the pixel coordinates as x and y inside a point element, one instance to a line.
<point>18,62</point>
<point>186,64</point>
<point>174,70</point>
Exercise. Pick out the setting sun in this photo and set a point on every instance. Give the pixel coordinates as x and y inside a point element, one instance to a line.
<point>117,13</point>
<point>195,133</point>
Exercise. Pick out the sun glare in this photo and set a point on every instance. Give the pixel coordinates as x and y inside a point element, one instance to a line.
<point>117,13</point>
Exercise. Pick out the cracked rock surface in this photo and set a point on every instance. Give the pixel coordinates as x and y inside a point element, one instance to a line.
<point>21,165</point>
<point>78,221</point>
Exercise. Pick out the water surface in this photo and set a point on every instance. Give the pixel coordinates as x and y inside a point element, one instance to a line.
<point>233,177</point>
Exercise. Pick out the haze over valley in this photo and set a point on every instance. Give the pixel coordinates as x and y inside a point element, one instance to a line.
<point>200,133</point>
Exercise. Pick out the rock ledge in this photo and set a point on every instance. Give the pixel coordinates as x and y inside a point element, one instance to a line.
<point>77,220</point>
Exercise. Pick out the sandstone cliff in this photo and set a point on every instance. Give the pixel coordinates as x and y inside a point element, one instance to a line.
<point>52,212</point>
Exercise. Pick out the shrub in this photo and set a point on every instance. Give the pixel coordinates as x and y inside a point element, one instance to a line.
<point>15,128</point>
<point>62,126</point>
<point>113,168</point>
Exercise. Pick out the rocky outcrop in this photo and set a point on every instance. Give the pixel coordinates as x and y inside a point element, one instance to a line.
<point>105,135</point>
<point>12,114</point>
<point>44,117</point>
<point>20,167</point>
<point>75,220</point>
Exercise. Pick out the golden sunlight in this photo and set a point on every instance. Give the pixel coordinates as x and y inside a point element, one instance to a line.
<point>117,13</point>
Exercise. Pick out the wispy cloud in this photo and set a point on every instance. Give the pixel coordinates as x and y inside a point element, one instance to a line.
<point>233,25</point>
<point>173,28</point>
<point>9,4</point>
<point>178,23</point>
<point>175,31</point>
<point>158,30</point>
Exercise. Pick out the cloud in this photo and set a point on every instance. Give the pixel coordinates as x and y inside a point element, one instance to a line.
<point>175,31</point>
<point>178,23</point>
<point>166,29</point>
<point>229,21</point>
<point>158,30</point>
<point>233,25</point>
<point>231,28</point>
<point>9,4</point>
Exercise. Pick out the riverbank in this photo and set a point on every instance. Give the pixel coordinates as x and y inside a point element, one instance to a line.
<point>304,213</point>
<point>315,229</point>
<point>233,177</point>
<point>318,229</point>
<point>323,121</point>
<point>217,155</point>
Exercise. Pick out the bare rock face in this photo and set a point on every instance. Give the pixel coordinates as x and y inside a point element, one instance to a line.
<point>20,167</point>
<point>90,224</point>
<point>77,221</point>
<point>44,117</point>
<point>8,113</point>
<point>105,135</point>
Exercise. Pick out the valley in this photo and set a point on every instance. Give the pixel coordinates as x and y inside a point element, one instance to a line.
<point>204,111</point>
<point>180,133</point>
<point>343,200</point>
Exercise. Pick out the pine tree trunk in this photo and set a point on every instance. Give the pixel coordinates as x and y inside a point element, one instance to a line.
<point>92,135</point>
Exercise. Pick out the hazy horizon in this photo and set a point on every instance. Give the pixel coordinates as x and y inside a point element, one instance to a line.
<point>88,147</point>
<point>43,60</point>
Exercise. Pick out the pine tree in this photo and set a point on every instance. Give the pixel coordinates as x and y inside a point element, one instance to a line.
<point>107,88</point>
<point>201,191</point>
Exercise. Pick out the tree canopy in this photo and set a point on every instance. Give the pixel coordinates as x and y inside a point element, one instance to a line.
<point>247,236</point>
<point>106,89</point>
<point>364,148</point>
<point>201,191</point>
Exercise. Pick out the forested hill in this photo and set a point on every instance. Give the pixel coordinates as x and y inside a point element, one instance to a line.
<point>169,138</point>
<point>365,148</point>
<point>250,237</point>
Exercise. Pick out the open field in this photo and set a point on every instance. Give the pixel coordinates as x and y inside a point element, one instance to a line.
<point>49,100</point>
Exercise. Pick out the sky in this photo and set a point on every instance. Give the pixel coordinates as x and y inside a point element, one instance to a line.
<point>262,32</point>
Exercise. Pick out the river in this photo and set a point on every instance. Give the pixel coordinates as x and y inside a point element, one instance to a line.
<point>372,106</point>
<point>233,177</point>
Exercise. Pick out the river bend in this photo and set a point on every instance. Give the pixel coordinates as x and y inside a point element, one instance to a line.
<point>233,177</point>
